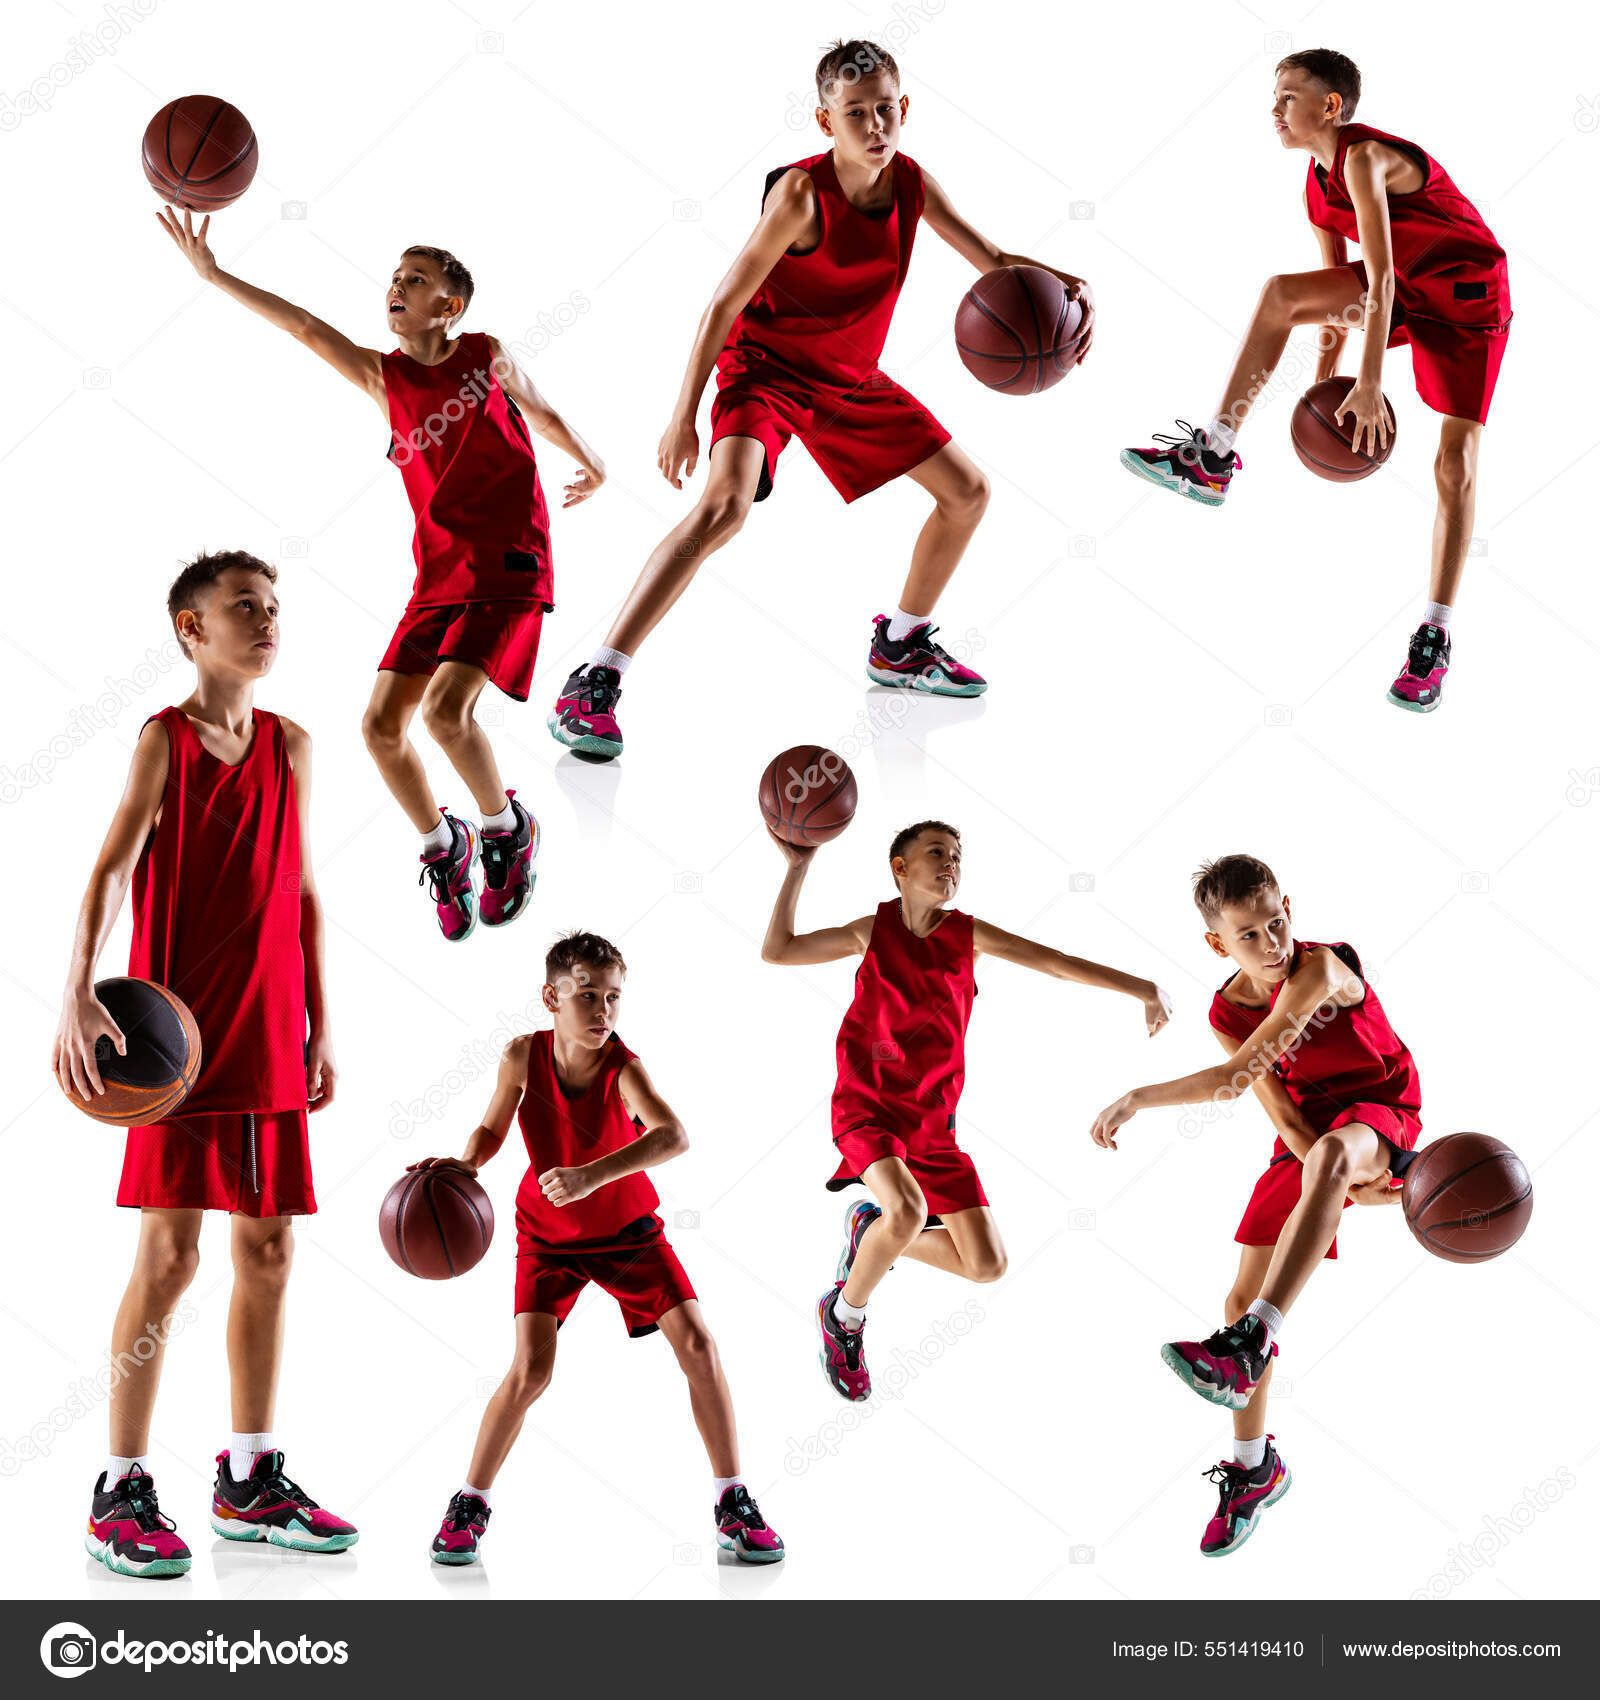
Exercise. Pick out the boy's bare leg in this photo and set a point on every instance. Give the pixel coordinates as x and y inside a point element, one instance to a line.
<point>905,1215</point>
<point>527,1378</point>
<point>1251,1422</point>
<point>960,495</point>
<point>385,728</point>
<point>709,1398</point>
<point>968,1246</point>
<point>1346,1157</point>
<point>731,483</point>
<point>263,1250</point>
<point>1455,473</point>
<point>1295,298</point>
<point>448,706</point>
<point>163,1266</point>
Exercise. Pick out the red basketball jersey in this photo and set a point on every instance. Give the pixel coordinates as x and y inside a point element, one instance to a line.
<point>216,916</point>
<point>1353,1057</point>
<point>564,1132</point>
<point>464,452</point>
<point>1447,263</point>
<point>821,317</point>
<point>903,1041</point>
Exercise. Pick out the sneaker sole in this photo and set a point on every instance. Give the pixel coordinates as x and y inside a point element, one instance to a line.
<point>918,682</point>
<point>232,1530</point>
<point>527,897</point>
<point>1255,1517</point>
<point>750,1555</point>
<point>454,1558</point>
<point>1165,481</point>
<point>1175,1361</point>
<point>588,746</point>
<point>120,1566</point>
<point>1414,707</point>
<point>824,1357</point>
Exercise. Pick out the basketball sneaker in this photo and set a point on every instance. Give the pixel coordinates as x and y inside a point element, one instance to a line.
<point>449,876</point>
<point>857,1219</point>
<point>917,663</point>
<point>508,875</point>
<point>843,1351</point>
<point>584,717</point>
<point>1186,464</point>
<point>1244,1495</point>
<point>267,1506</point>
<point>1225,1368</point>
<point>127,1532</point>
<point>1421,681</point>
<point>743,1531</point>
<point>462,1529</point>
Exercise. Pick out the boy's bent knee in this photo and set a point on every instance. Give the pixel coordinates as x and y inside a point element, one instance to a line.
<point>527,1380</point>
<point>988,1265</point>
<point>721,515</point>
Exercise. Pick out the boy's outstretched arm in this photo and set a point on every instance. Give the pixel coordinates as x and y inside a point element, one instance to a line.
<point>362,366</point>
<point>799,950</point>
<point>545,422</point>
<point>1027,953</point>
<point>490,1134</point>
<point>980,252</point>
<point>789,208</point>
<point>663,1139</point>
<point>1331,338</point>
<point>321,1071</point>
<point>84,1019</point>
<point>1320,981</point>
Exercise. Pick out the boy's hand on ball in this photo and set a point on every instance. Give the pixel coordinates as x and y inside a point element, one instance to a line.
<point>191,243</point>
<point>796,855</point>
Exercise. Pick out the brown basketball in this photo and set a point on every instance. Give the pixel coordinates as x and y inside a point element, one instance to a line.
<point>200,153</point>
<point>1467,1197</point>
<point>1325,444</point>
<point>436,1223</point>
<point>808,795</point>
<point>163,1060</point>
<point>1017,331</point>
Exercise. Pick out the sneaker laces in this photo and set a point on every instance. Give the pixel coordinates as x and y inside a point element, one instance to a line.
<point>458,1517</point>
<point>745,1509</point>
<point>1423,652</point>
<point>280,1484</point>
<point>1193,448</point>
<point>598,690</point>
<point>137,1491</point>
<point>439,871</point>
<point>1230,1479</point>
<point>849,1340</point>
<point>498,851</point>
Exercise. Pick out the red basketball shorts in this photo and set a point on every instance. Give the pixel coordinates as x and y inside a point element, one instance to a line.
<point>256,1164</point>
<point>1455,367</point>
<point>1277,1192</point>
<point>861,438</point>
<point>947,1175</point>
<point>639,1269</point>
<point>500,637</point>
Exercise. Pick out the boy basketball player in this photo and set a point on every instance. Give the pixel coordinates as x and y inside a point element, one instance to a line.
<point>901,1054</point>
<point>795,331</point>
<point>459,409</point>
<point>211,834</point>
<point>593,1122</point>
<point>1431,274</point>
<point>1303,1028</point>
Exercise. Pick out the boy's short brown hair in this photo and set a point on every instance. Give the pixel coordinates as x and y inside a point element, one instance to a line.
<point>455,274</point>
<point>577,949</point>
<point>1229,880</point>
<point>908,835</point>
<point>207,569</point>
<point>1337,74</point>
<point>847,62</point>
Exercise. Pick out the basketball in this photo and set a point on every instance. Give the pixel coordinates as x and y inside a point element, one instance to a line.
<point>1017,331</point>
<point>808,795</point>
<point>1467,1197</point>
<point>436,1223</point>
<point>1324,444</point>
<point>163,1058</point>
<point>200,153</point>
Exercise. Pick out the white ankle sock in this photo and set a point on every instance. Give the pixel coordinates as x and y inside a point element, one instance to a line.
<point>482,1493</point>
<point>244,1449</point>
<point>1269,1317</point>
<point>437,841</point>
<point>1220,437</point>
<point>505,821</point>
<point>117,1468</point>
<point>604,657</point>
<point>721,1484</point>
<point>902,624</point>
<point>1250,1454</point>
<point>849,1316</point>
<point>1437,614</point>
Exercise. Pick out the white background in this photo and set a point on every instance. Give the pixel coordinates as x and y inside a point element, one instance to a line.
<point>1168,684</point>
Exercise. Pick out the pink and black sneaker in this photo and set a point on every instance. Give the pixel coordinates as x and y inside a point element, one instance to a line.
<point>584,717</point>
<point>1226,1368</point>
<point>917,663</point>
<point>1421,681</point>
<point>449,877</point>
<point>843,1353</point>
<point>127,1532</point>
<point>857,1219</point>
<point>1186,465</point>
<point>508,875</point>
<point>267,1506</point>
<point>1245,1494</point>
<point>743,1531</point>
<point>462,1529</point>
